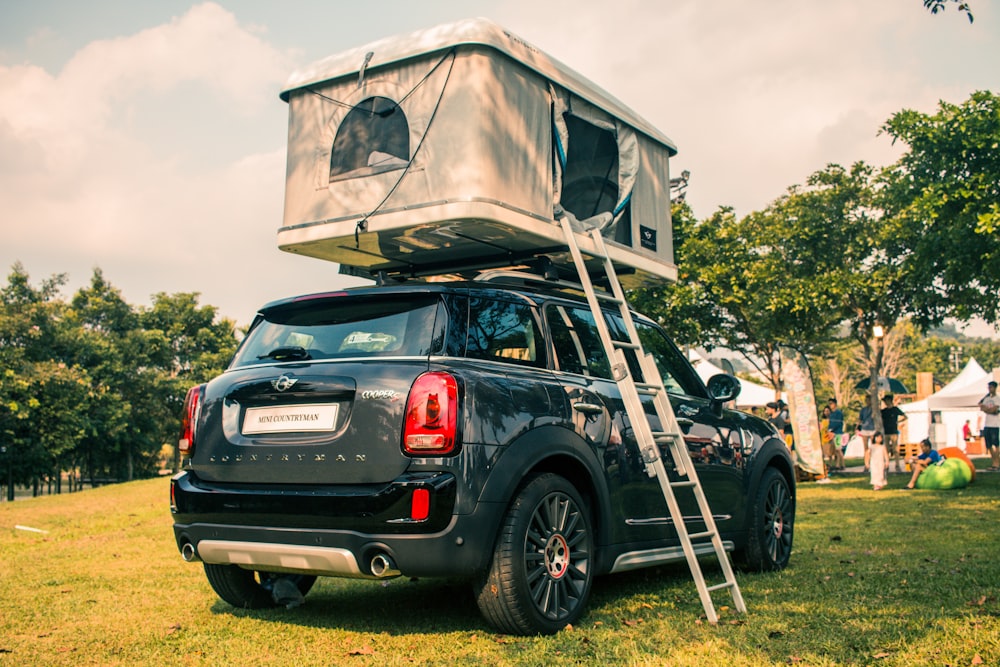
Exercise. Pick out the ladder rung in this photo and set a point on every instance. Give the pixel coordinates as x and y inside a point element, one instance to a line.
<point>683,484</point>
<point>667,434</point>
<point>626,346</point>
<point>699,536</point>
<point>719,587</point>
<point>610,298</point>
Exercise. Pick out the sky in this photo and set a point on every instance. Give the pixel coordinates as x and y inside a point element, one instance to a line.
<point>146,138</point>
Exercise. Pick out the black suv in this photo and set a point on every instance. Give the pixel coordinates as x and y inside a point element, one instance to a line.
<point>456,429</point>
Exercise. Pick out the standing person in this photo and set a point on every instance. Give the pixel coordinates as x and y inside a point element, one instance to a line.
<point>773,411</point>
<point>892,417</point>
<point>990,405</point>
<point>786,417</point>
<point>826,438</point>
<point>878,460</point>
<point>866,427</point>
<point>836,427</point>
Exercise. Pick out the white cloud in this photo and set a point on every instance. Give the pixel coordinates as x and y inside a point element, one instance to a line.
<point>90,180</point>
<point>159,155</point>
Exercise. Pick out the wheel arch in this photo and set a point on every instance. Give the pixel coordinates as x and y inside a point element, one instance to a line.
<point>772,454</point>
<point>552,450</point>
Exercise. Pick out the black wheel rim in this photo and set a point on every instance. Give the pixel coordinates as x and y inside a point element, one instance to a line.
<point>557,556</point>
<point>778,522</point>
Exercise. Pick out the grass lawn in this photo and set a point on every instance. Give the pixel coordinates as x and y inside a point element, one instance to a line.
<point>889,578</point>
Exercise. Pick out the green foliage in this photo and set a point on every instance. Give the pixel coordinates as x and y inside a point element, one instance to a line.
<point>944,194</point>
<point>95,386</point>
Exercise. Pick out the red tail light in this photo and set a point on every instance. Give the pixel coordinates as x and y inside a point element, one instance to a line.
<point>431,415</point>
<point>420,504</point>
<point>189,419</point>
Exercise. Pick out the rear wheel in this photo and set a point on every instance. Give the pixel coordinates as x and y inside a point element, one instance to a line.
<point>541,572</point>
<point>772,520</point>
<point>248,589</point>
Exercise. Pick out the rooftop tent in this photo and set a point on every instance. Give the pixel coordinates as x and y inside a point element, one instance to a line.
<point>458,146</point>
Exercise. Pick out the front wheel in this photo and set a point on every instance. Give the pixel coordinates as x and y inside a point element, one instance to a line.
<point>542,567</point>
<point>248,589</point>
<point>772,520</point>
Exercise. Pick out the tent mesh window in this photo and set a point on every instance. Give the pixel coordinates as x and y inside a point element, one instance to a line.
<point>591,175</point>
<point>373,137</point>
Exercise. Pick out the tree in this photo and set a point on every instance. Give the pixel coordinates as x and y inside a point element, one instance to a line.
<point>191,347</point>
<point>944,194</point>
<point>35,386</point>
<point>752,285</point>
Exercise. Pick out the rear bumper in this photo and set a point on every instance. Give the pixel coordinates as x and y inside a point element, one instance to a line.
<point>334,531</point>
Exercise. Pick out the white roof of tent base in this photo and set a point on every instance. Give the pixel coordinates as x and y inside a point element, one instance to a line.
<point>455,147</point>
<point>953,404</point>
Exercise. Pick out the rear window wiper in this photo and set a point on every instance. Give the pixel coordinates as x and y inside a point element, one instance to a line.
<point>290,353</point>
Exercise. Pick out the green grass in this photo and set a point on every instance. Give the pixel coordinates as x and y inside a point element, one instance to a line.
<point>888,578</point>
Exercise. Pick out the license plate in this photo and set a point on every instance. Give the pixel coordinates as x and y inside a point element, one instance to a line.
<point>290,419</point>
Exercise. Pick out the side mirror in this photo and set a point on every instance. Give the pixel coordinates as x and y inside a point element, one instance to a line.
<point>723,388</point>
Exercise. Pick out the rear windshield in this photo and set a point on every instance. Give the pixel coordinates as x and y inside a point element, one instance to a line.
<point>344,327</point>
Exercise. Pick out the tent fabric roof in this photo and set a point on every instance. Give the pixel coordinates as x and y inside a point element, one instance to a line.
<point>964,391</point>
<point>481,32</point>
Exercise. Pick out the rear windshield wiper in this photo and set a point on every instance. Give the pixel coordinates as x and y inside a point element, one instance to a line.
<point>290,353</point>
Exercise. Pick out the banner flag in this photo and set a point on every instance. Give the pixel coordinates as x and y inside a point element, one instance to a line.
<point>802,410</point>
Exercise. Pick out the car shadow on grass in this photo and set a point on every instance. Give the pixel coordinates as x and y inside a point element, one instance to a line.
<point>397,606</point>
<point>404,606</point>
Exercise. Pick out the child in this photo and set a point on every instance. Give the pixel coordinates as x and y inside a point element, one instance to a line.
<point>928,456</point>
<point>878,460</point>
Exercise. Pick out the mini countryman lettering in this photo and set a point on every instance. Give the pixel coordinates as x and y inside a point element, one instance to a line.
<point>289,419</point>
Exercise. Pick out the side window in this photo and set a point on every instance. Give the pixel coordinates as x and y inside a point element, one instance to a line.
<point>373,137</point>
<point>502,331</point>
<point>677,374</point>
<point>576,341</point>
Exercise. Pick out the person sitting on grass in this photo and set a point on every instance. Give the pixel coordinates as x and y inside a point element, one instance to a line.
<point>928,456</point>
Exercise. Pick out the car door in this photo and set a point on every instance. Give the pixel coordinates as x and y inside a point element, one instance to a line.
<point>713,435</point>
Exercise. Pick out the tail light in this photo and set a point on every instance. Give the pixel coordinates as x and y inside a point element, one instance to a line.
<point>431,415</point>
<point>420,505</point>
<point>189,419</point>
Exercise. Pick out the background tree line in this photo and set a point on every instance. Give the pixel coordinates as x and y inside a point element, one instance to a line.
<point>854,259</point>
<point>93,387</point>
<point>853,268</point>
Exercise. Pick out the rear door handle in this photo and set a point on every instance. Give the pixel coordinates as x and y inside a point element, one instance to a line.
<point>588,408</point>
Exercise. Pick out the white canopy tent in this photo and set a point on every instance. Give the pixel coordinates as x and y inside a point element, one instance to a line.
<point>942,415</point>
<point>751,395</point>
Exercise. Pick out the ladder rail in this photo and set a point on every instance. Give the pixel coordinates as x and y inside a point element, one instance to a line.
<point>670,431</point>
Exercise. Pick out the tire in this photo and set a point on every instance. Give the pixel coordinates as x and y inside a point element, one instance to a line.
<point>772,523</point>
<point>247,589</point>
<point>542,567</point>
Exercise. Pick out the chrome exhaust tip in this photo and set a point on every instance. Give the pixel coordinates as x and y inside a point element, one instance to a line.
<point>188,552</point>
<point>382,566</point>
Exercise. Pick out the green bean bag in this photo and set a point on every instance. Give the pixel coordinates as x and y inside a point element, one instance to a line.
<point>949,474</point>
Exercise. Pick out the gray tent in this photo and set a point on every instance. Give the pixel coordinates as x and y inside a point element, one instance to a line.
<point>458,146</point>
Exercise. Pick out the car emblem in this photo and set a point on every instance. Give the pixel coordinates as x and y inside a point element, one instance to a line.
<point>283,383</point>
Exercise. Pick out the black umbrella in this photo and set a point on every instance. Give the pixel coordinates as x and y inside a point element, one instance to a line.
<point>885,384</point>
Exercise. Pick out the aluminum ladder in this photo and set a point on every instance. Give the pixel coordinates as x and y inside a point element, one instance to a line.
<point>649,441</point>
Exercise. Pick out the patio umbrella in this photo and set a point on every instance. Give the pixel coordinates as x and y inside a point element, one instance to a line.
<point>885,384</point>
